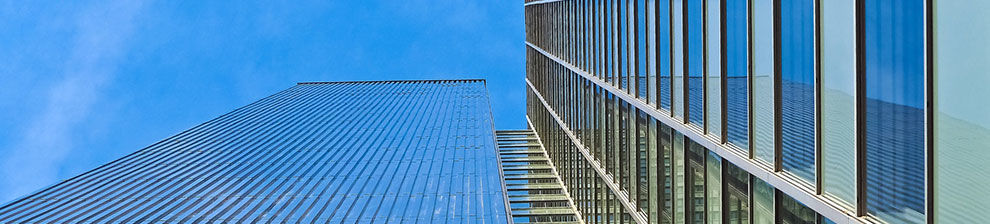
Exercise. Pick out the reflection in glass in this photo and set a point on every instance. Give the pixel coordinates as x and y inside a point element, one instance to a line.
<point>713,90</point>
<point>895,139</point>
<point>641,50</point>
<point>663,53</point>
<point>677,30</point>
<point>838,102</point>
<point>797,80</point>
<point>790,211</point>
<point>737,72</point>
<point>762,202</point>
<point>763,75</point>
<point>714,172</point>
<point>962,125</point>
<point>737,194</point>
<point>695,182</point>
<point>695,61</point>
<point>679,177</point>
<point>667,191</point>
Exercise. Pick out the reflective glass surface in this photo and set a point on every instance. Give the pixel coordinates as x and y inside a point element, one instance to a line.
<point>713,73</point>
<point>838,18</point>
<point>410,151</point>
<point>962,125</point>
<point>895,137</point>
<point>677,46</point>
<point>714,172</point>
<point>763,78</point>
<point>790,211</point>
<point>797,83</point>
<point>664,52</point>
<point>736,194</point>
<point>695,57</point>
<point>737,72</point>
<point>763,203</point>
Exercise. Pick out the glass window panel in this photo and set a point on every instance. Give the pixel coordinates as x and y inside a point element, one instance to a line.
<point>736,189</point>
<point>763,122</point>
<point>641,50</point>
<point>895,139</point>
<point>642,162</point>
<point>797,80</point>
<point>695,182</point>
<point>714,172</point>
<point>838,102</point>
<point>677,46</point>
<point>666,172</point>
<point>790,211</point>
<point>762,202</point>
<point>961,121</point>
<point>679,177</point>
<point>737,72</point>
<point>653,164</point>
<point>713,90</point>
<point>623,32</point>
<point>663,52</point>
<point>623,157</point>
<point>695,61</point>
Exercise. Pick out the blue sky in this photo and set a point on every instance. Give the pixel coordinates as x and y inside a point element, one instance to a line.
<point>83,83</point>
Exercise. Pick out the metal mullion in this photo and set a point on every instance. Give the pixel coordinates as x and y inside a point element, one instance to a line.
<point>930,156</point>
<point>777,145</point>
<point>860,108</point>
<point>723,79</point>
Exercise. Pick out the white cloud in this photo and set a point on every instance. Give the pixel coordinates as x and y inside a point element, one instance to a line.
<point>99,45</point>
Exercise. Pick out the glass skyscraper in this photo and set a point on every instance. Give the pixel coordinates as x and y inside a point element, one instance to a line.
<point>765,111</point>
<point>338,152</point>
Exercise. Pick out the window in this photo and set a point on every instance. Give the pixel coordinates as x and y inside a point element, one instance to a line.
<point>895,139</point>
<point>737,72</point>
<point>736,191</point>
<point>695,60</point>
<point>961,124</point>
<point>838,90</point>
<point>763,80</point>
<point>713,73</point>
<point>797,80</point>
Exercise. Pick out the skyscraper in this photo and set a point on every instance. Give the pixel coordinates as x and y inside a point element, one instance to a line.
<point>355,152</point>
<point>763,111</point>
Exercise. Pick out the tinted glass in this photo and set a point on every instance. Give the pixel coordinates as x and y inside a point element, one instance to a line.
<point>664,52</point>
<point>763,206</point>
<point>797,80</point>
<point>737,72</point>
<point>790,211</point>
<point>713,74</point>
<point>763,75</point>
<point>677,40</point>
<point>695,58</point>
<point>838,18</point>
<point>736,194</point>
<point>962,124</point>
<point>714,172</point>
<point>895,156</point>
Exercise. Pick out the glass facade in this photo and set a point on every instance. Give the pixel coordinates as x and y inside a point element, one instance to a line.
<point>390,151</point>
<point>795,108</point>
